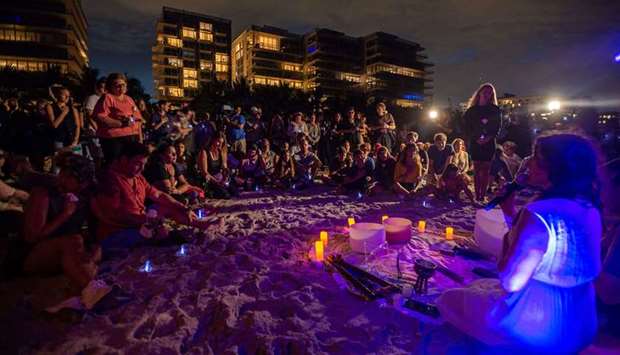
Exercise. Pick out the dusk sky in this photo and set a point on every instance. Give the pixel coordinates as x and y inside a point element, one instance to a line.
<point>525,47</point>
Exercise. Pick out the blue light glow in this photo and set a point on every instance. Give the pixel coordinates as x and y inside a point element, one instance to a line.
<point>182,251</point>
<point>617,58</point>
<point>311,49</point>
<point>147,267</point>
<point>413,97</point>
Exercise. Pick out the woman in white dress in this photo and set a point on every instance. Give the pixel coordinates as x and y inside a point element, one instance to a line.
<point>544,300</point>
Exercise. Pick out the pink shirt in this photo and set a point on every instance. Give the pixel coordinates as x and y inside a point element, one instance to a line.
<point>112,107</point>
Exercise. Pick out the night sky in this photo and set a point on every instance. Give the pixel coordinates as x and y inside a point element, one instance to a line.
<point>525,47</point>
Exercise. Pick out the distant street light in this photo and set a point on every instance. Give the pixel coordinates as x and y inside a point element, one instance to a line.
<point>554,105</point>
<point>433,114</point>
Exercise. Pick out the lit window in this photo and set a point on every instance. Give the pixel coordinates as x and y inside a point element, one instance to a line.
<point>291,67</point>
<point>175,62</point>
<point>260,81</point>
<point>174,42</point>
<point>189,32</point>
<point>221,62</point>
<point>350,77</point>
<point>206,36</point>
<point>190,73</point>
<point>176,92</point>
<point>204,26</point>
<point>206,65</point>
<point>268,43</point>
<point>273,82</point>
<point>190,83</point>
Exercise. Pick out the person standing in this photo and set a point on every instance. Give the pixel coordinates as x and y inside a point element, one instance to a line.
<point>482,123</point>
<point>64,119</point>
<point>387,126</point>
<point>89,105</point>
<point>116,114</point>
<point>237,132</point>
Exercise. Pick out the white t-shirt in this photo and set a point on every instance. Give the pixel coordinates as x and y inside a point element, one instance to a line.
<point>91,101</point>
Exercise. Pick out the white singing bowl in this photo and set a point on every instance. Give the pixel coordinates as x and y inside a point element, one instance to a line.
<point>397,230</point>
<point>366,237</point>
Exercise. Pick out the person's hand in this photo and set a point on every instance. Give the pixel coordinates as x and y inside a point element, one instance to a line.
<point>70,206</point>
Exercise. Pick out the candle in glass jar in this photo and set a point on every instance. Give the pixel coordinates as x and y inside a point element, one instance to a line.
<point>383,218</point>
<point>318,250</point>
<point>324,237</point>
<point>421,226</point>
<point>449,233</point>
<point>351,221</point>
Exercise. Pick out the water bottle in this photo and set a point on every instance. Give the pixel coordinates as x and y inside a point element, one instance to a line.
<point>148,228</point>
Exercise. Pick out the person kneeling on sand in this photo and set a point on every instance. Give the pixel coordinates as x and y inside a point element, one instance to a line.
<point>55,218</point>
<point>120,203</point>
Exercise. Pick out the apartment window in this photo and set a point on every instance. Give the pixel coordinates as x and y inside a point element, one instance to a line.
<point>206,65</point>
<point>175,62</point>
<point>189,32</point>
<point>190,83</point>
<point>291,67</point>
<point>190,73</point>
<point>28,65</point>
<point>176,92</point>
<point>273,82</point>
<point>266,42</point>
<point>189,54</point>
<point>19,36</point>
<point>350,77</point>
<point>221,62</point>
<point>260,81</point>
<point>204,26</point>
<point>174,42</point>
<point>206,36</point>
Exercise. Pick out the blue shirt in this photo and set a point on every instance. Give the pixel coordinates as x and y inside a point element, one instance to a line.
<point>237,133</point>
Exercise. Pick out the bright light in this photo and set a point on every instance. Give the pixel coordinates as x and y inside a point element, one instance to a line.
<point>433,114</point>
<point>554,105</point>
<point>617,58</point>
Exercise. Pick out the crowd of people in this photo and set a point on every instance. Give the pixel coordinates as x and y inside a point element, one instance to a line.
<point>86,179</point>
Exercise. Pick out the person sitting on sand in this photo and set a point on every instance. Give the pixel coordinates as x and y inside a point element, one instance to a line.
<point>252,171</point>
<point>284,173</point>
<point>162,172</point>
<point>269,157</point>
<point>452,183</point>
<point>544,300</point>
<point>358,176</point>
<point>383,175</point>
<point>408,170</point>
<point>439,156</point>
<point>54,223</point>
<point>510,157</point>
<point>120,202</point>
<point>307,164</point>
<point>339,166</point>
<point>212,166</point>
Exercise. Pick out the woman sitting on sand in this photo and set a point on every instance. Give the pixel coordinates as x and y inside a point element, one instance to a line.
<point>544,300</point>
<point>162,173</point>
<point>284,173</point>
<point>408,170</point>
<point>252,171</point>
<point>460,157</point>
<point>383,175</point>
<point>358,176</point>
<point>55,220</point>
<point>212,165</point>
<point>339,166</point>
<point>451,184</point>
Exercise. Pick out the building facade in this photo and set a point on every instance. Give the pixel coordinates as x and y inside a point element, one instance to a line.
<point>39,35</point>
<point>190,49</point>
<point>265,55</point>
<point>380,65</point>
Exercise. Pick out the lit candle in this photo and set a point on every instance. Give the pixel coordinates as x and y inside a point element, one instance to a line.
<point>449,233</point>
<point>324,237</point>
<point>383,218</point>
<point>351,221</point>
<point>421,226</point>
<point>318,250</point>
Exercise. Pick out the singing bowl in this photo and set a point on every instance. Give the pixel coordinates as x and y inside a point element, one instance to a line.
<point>366,237</point>
<point>397,230</point>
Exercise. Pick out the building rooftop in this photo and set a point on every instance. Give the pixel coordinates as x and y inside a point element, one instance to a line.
<point>190,13</point>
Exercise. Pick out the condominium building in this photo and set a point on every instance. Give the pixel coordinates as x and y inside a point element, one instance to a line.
<point>380,65</point>
<point>265,55</point>
<point>190,49</point>
<point>39,35</point>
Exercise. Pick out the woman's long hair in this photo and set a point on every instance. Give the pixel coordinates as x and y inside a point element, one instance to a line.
<point>475,98</point>
<point>572,163</point>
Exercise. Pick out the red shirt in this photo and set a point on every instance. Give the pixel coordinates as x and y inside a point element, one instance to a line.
<point>112,107</point>
<point>120,195</point>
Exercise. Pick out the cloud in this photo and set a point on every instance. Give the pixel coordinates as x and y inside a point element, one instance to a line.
<point>524,46</point>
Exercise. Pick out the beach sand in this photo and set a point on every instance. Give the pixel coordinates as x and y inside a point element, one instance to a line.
<point>245,287</point>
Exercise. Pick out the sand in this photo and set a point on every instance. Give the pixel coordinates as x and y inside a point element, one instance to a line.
<point>246,287</point>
